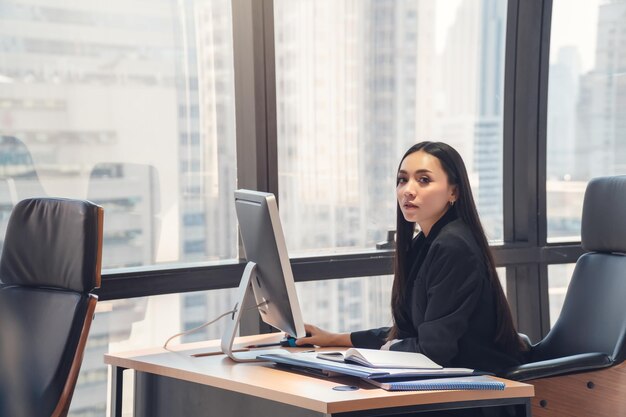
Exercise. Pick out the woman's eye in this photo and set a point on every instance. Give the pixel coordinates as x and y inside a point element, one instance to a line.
<point>401,180</point>
<point>424,180</point>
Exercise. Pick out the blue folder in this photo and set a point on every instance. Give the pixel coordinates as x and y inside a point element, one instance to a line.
<point>452,383</point>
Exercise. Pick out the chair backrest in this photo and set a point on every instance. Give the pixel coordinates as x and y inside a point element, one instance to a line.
<point>50,263</point>
<point>593,318</point>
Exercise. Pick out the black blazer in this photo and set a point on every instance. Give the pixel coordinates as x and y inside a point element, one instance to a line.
<point>449,310</point>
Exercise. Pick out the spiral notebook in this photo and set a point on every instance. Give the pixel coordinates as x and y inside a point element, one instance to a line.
<point>454,383</point>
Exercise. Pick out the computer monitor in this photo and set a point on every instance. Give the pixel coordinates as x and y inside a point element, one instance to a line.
<point>268,271</point>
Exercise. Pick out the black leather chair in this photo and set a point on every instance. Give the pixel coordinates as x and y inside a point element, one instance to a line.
<point>50,263</point>
<point>578,369</point>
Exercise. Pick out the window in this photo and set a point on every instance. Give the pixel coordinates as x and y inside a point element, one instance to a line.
<point>126,106</point>
<point>132,106</point>
<point>358,83</point>
<point>586,106</point>
<point>107,102</point>
<point>559,277</point>
<point>138,323</point>
<point>353,94</point>
<point>348,304</point>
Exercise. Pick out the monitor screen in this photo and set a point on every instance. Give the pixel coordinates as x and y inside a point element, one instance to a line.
<point>264,244</point>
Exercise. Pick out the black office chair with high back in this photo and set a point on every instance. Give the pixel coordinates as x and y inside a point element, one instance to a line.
<point>578,369</point>
<point>50,263</point>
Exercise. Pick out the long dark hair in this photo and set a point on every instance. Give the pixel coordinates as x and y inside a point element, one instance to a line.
<point>506,336</point>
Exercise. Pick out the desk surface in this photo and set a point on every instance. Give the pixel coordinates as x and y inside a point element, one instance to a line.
<point>260,379</point>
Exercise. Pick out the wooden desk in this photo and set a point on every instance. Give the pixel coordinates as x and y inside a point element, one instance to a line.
<point>180,384</point>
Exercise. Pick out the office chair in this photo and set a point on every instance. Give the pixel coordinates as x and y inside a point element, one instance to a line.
<point>578,369</point>
<point>50,263</point>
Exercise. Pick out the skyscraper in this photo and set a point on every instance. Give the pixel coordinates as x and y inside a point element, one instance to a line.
<point>562,99</point>
<point>472,81</point>
<point>601,129</point>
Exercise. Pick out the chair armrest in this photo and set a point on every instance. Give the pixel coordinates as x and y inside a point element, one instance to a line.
<point>558,366</point>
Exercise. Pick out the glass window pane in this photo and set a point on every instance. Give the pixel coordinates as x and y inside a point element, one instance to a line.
<point>357,83</point>
<point>586,106</point>
<point>141,323</point>
<point>351,304</point>
<point>559,277</point>
<point>338,305</point>
<point>130,105</point>
<point>346,305</point>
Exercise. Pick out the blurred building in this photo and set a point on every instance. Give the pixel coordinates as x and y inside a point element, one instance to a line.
<point>601,128</point>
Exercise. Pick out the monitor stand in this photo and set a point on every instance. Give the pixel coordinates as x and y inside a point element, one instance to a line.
<point>230,332</point>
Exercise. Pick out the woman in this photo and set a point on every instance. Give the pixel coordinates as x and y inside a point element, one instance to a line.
<point>447,301</point>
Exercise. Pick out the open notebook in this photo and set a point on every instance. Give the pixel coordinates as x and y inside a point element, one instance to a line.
<point>373,358</point>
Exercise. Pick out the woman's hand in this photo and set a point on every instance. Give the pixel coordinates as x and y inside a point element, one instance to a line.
<point>321,337</point>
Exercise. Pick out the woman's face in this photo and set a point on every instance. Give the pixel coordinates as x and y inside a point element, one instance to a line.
<point>423,192</point>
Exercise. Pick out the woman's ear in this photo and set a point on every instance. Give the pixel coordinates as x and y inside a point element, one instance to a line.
<point>454,195</point>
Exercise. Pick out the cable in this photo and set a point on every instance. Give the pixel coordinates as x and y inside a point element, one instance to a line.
<point>208,323</point>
